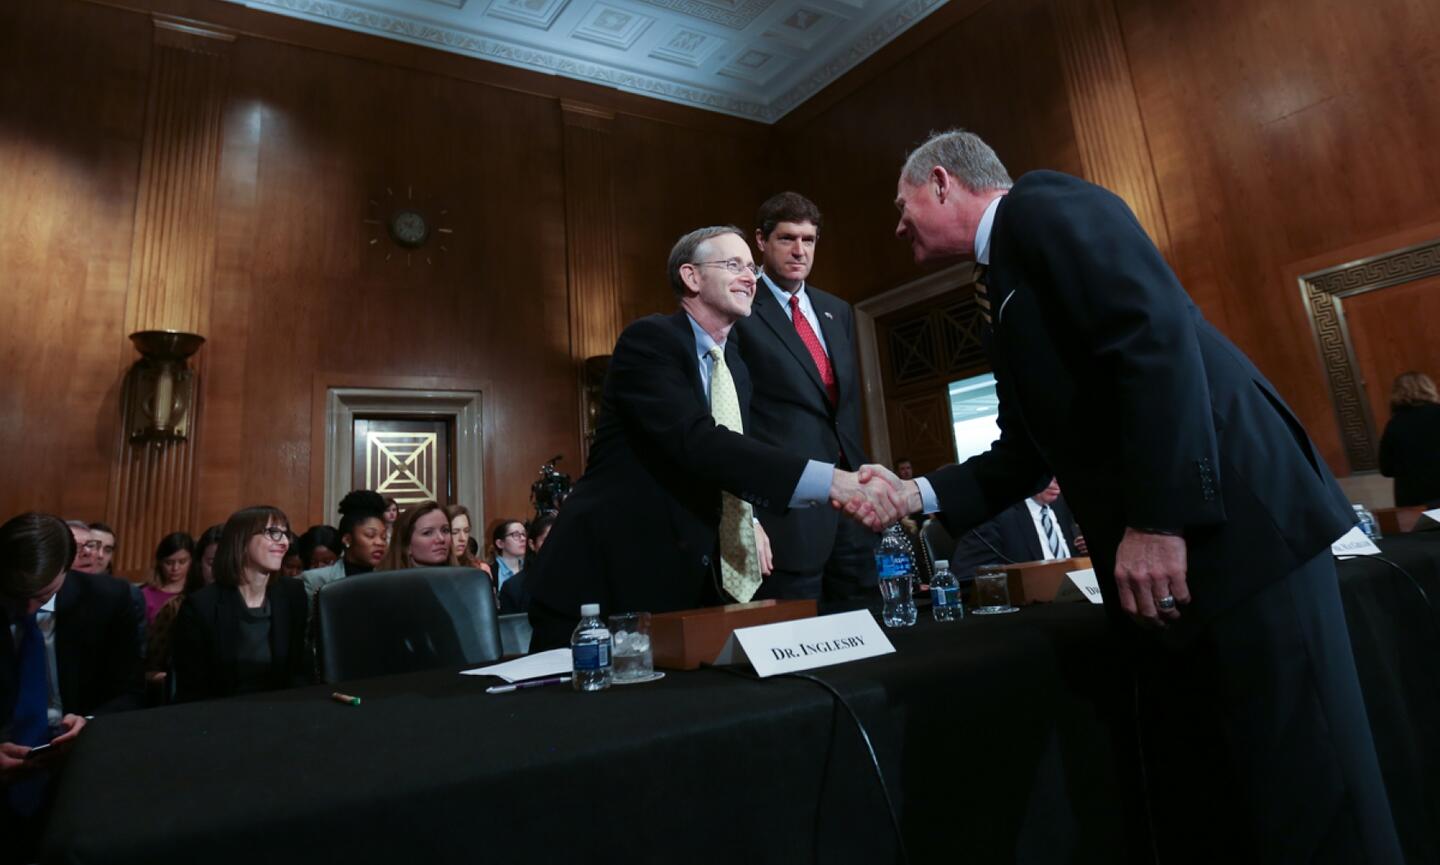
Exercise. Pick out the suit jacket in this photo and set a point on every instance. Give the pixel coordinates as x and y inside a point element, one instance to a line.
<point>96,656</point>
<point>1110,379</point>
<point>1410,453</point>
<point>1012,533</point>
<point>790,410</point>
<point>640,528</point>
<point>207,634</point>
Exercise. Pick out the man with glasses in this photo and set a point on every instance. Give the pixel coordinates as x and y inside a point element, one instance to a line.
<point>799,345</point>
<point>663,517</point>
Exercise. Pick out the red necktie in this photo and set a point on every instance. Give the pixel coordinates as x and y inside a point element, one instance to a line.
<point>817,351</point>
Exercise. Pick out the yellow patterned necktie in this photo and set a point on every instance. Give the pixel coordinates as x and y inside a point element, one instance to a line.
<point>739,562</point>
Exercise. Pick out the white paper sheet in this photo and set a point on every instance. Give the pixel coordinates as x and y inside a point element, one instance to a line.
<point>552,663</point>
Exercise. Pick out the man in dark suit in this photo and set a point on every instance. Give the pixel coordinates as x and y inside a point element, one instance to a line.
<point>1038,528</point>
<point>1198,490</point>
<point>69,651</point>
<point>661,519</point>
<point>799,345</point>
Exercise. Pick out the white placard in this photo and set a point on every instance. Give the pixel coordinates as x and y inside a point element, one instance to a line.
<point>1428,520</point>
<point>1354,543</point>
<point>805,644</point>
<point>1080,585</point>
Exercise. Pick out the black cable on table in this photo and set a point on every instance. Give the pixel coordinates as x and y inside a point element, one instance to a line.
<point>864,736</point>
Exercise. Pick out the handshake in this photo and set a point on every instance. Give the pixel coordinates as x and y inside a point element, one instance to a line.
<point>873,496</point>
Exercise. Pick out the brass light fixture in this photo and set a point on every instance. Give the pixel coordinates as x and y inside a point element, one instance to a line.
<point>160,389</point>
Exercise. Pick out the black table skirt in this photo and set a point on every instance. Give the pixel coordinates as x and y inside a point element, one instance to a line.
<point>992,734</point>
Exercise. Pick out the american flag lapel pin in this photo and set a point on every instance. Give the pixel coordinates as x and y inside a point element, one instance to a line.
<point>829,316</point>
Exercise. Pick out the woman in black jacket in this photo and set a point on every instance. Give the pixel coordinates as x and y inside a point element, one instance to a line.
<point>1410,448</point>
<point>246,631</point>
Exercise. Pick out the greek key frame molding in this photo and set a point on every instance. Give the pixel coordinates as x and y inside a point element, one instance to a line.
<point>1323,292</point>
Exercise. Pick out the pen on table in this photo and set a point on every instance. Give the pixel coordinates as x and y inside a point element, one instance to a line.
<point>532,683</point>
<point>345,698</point>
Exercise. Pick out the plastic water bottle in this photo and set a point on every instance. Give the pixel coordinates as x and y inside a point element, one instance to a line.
<point>1368,525</point>
<point>590,648</point>
<point>896,569</point>
<point>945,594</point>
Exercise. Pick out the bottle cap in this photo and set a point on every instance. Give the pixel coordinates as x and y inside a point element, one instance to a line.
<point>942,564</point>
<point>588,610</point>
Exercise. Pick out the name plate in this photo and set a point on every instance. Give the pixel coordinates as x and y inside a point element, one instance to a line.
<point>805,644</point>
<point>1080,584</point>
<point>1354,543</point>
<point>1429,521</point>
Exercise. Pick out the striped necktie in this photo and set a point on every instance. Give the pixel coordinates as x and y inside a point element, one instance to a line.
<point>1052,538</point>
<point>982,290</point>
<point>739,562</point>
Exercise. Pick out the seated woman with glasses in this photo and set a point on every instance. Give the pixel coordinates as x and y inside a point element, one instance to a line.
<point>422,539</point>
<point>515,597</point>
<point>363,534</point>
<point>174,559</point>
<point>246,631</point>
<point>508,541</point>
<point>460,538</point>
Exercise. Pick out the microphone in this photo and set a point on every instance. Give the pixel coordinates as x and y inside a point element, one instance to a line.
<point>975,531</point>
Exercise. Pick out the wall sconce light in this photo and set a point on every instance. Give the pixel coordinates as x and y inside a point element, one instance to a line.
<point>160,390</point>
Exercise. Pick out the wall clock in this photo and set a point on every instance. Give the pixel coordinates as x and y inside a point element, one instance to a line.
<point>408,226</point>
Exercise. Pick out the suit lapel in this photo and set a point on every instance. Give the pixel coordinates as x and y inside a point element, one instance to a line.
<point>67,636</point>
<point>778,321</point>
<point>681,322</point>
<point>740,374</point>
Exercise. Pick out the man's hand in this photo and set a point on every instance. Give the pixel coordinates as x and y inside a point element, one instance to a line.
<point>71,725</point>
<point>1149,567</point>
<point>875,503</point>
<point>13,764</point>
<point>911,501</point>
<point>762,548</point>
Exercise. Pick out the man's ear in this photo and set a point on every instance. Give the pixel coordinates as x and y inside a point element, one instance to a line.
<point>940,181</point>
<point>690,275</point>
<point>759,240</point>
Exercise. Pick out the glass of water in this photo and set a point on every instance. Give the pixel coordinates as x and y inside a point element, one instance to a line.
<point>992,591</point>
<point>632,659</point>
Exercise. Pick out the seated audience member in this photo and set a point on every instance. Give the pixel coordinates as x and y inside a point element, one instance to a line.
<point>320,547</point>
<point>515,597</point>
<point>293,565</point>
<point>363,537</point>
<point>174,557</point>
<point>392,514</point>
<point>102,539</point>
<point>904,469</point>
<point>509,544</point>
<point>461,538</point>
<point>246,631</point>
<point>1410,447</point>
<point>157,653</point>
<point>422,539</point>
<point>1036,529</point>
<point>85,546</point>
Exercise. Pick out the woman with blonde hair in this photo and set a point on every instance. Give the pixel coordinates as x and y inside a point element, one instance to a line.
<point>422,539</point>
<point>1410,447</point>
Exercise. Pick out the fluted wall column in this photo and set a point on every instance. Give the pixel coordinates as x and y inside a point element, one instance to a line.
<point>172,264</point>
<point>1114,151</point>
<point>593,266</point>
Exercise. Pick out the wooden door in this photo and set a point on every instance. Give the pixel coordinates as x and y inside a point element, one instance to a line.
<point>922,349</point>
<point>407,459</point>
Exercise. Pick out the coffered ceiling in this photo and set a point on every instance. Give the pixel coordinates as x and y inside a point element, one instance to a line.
<point>755,59</point>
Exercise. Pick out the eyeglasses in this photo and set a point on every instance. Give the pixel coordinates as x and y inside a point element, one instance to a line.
<point>518,536</point>
<point>92,546</point>
<point>276,534</point>
<point>734,265</point>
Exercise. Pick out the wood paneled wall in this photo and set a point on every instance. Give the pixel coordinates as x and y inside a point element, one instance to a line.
<point>1277,132</point>
<point>297,295</point>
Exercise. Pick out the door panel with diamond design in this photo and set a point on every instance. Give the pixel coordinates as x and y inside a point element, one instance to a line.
<point>408,460</point>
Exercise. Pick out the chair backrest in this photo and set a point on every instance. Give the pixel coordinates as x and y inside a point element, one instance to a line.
<point>937,540</point>
<point>402,621</point>
<point>515,633</point>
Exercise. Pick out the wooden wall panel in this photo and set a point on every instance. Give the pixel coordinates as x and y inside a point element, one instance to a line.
<point>996,73</point>
<point>71,123</point>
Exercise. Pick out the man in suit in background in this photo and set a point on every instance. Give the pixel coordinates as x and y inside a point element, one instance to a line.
<point>1034,530</point>
<point>1199,492</point>
<point>662,518</point>
<point>799,345</point>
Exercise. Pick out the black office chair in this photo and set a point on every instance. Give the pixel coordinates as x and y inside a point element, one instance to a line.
<point>936,540</point>
<point>402,621</point>
<point>515,633</point>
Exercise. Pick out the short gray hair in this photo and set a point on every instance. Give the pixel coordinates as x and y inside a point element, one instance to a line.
<point>964,155</point>
<point>684,250</point>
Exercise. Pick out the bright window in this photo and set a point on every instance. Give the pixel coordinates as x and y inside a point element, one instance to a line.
<point>974,407</point>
